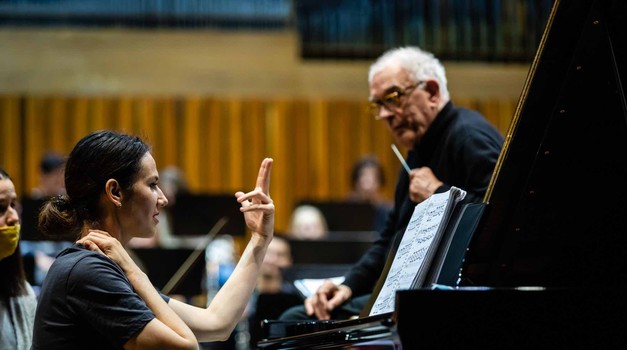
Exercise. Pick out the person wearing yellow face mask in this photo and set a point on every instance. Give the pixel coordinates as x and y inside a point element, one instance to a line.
<point>17,298</point>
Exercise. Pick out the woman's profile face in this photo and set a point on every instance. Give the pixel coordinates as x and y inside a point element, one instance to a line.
<point>141,205</point>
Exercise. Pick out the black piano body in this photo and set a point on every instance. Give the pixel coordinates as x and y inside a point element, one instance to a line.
<point>547,262</point>
<point>556,213</point>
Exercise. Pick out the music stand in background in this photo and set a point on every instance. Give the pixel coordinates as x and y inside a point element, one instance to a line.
<point>344,215</point>
<point>327,251</point>
<point>195,214</point>
<point>30,219</point>
<point>153,261</point>
<point>317,260</point>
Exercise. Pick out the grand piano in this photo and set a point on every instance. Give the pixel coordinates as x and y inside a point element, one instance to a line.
<point>545,264</point>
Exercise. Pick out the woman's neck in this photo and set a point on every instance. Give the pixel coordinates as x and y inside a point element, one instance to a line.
<point>112,230</point>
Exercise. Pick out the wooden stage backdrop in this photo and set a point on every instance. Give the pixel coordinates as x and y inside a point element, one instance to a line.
<point>219,142</point>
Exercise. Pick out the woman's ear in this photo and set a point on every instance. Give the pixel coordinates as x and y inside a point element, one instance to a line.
<point>113,192</point>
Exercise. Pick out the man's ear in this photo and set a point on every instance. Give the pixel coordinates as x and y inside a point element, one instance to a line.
<point>433,89</point>
<point>113,191</point>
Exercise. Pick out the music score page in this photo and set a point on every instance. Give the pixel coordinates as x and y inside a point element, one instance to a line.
<point>417,245</point>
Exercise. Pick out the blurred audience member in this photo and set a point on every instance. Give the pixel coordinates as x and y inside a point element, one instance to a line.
<point>308,222</point>
<point>367,179</point>
<point>51,176</point>
<point>17,299</point>
<point>278,256</point>
<point>270,282</point>
<point>51,183</point>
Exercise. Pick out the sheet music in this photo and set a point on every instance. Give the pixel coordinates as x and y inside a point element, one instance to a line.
<point>308,286</point>
<point>427,221</point>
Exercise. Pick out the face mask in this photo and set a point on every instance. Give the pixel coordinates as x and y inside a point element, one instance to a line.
<point>9,236</point>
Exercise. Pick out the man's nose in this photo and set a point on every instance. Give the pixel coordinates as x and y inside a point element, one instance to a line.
<point>385,113</point>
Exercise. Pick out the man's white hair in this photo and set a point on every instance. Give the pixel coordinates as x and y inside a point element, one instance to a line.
<point>421,64</point>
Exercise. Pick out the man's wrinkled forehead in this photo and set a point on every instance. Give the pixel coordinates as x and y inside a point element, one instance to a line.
<point>388,79</point>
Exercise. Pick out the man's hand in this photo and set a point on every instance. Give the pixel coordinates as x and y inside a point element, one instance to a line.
<point>327,297</point>
<point>422,184</point>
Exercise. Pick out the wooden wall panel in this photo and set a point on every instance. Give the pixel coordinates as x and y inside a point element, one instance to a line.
<point>35,134</point>
<point>11,149</point>
<point>81,120</point>
<point>56,123</point>
<point>278,141</point>
<point>165,146</point>
<point>236,123</point>
<point>219,143</point>
<point>97,113</point>
<point>300,177</point>
<point>190,141</point>
<point>123,114</point>
<point>252,145</point>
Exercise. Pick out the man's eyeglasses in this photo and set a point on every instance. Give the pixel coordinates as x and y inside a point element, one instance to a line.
<point>393,99</point>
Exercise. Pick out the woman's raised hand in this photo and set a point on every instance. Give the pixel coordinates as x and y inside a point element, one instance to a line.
<point>257,205</point>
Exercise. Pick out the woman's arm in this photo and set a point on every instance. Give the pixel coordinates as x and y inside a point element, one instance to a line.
<point>217,321</point>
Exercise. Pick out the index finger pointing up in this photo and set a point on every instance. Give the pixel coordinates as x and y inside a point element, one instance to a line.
<point>263,179</point>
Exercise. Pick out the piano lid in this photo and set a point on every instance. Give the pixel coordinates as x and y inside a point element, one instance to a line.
<point>557,206</point>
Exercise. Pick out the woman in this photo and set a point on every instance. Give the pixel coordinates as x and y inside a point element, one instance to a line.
<point>94,295</point>
<point>17,298</point>
<point>367,180</point>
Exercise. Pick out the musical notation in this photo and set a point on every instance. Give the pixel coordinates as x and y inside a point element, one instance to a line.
<point>417,247</point>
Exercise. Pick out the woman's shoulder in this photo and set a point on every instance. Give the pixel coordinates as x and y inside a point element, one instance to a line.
<point>26,303</point>
<point>30,292</point>
<point>30,299</point>
<point>80,261</point>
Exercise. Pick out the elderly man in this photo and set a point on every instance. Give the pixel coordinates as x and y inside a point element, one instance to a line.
<point>448,146</point>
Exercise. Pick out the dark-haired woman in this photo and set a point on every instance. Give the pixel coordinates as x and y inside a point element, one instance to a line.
<point>17,298</point>
<point>367,181</point>
<point>94,295</point>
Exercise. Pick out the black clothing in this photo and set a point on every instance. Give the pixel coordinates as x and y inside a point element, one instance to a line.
<point>381,212</point>
<point>87,302</point>
<point>461,147</point>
